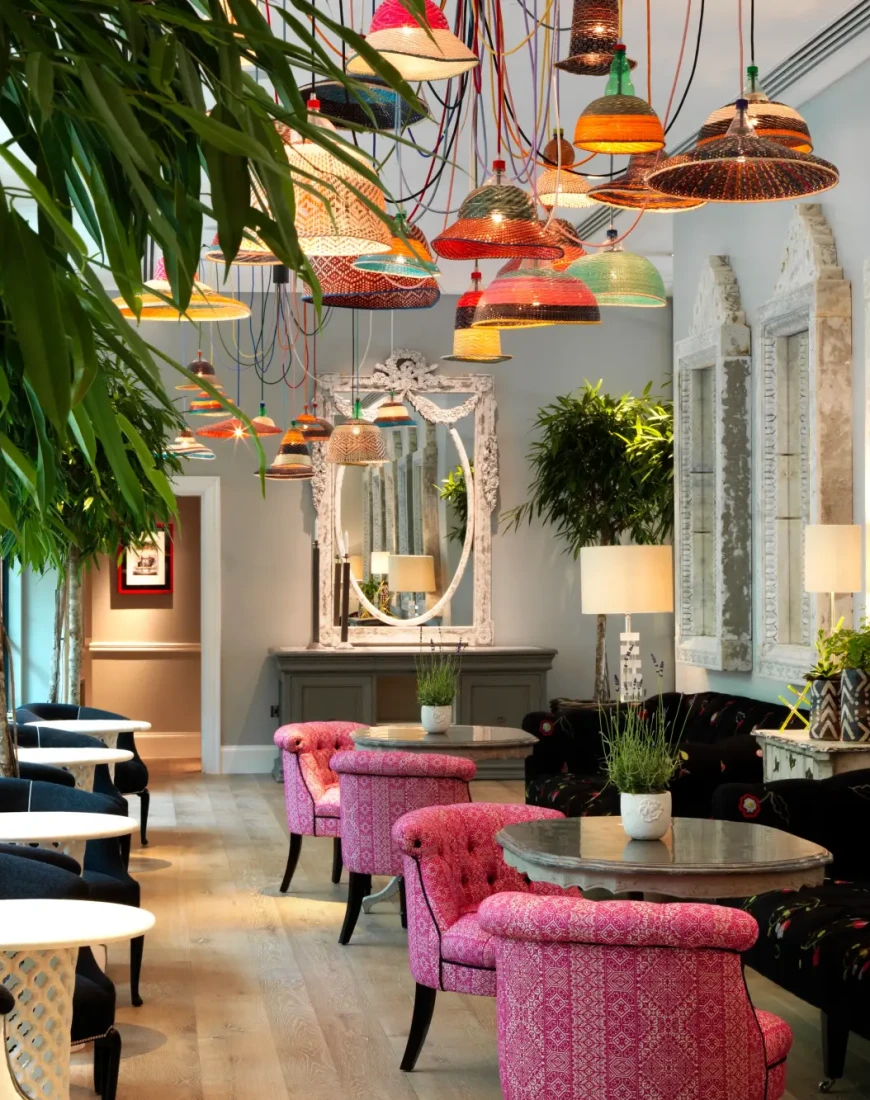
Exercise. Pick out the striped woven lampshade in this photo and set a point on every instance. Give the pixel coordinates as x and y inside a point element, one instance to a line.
<point>559,186</point>
<point>205,405</point>
<point>432,52</point>
<point>630,190</point>
<point>356,442</point>
<point>566,236</point>
<point>407,258</point>
<point>202,369</point>
<point>393,414</point>
<point>496,221</point>
<point>314,428</point>
<point>742,167</point>
<point>594,35</point>
<point>620,278</point>
<point>293,460</point>
<point>341,108</point>
<point>233,428</point>
<point>775,121</point>
<point>345,287</point>
<point>185,445</point>
<point>531,294</point>
<point>474,345</point>
<point>620,121</point>
<point>205,304</point>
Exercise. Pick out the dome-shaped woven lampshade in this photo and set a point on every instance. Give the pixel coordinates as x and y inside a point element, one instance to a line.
<point>205,304</point>
<point>408,258</point>
<point>419,53</point>
<point>630,189</point>
<point>293,460</point>
<point>330,219</point>
<point>233,428</point>
<point>566,236</point>
<point>185,445</point>
<point>314,428</point>
<point>559,186</point>
<point>620,121</point>
<point>496,221</point>
<point>202,369</point>
<point>775,121</point>
<point>474,345</point>
<point>206,405</point>
<point>345,287</point>
<point>341,108</point>
<point>741,167</point>
<point>356,442</point>
<point>531,294</point>
<point>393,414</point>
<point>619,278</point>
<point>594,34</point>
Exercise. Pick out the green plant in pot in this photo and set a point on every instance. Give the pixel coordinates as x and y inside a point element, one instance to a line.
<point>437,676</point>
<point>824,680</point>
<point>855,684</point>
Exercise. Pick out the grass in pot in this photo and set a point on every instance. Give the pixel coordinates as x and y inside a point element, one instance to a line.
<point>437,674</point>
<point>825,683</point>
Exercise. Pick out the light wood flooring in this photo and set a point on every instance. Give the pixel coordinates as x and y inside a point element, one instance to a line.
<point>248,995</point>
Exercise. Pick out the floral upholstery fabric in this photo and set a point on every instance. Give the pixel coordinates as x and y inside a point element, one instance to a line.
<point>628,1001</point>
<point>377,788</point>
<point>466,942</point>
<point>307,748</point>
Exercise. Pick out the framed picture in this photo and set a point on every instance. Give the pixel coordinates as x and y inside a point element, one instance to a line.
<point>147,568</point>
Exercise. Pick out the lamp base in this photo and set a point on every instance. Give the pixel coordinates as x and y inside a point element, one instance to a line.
<point>630,669</point>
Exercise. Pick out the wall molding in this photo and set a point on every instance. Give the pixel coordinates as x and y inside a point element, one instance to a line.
<point>168,746</point>
<point>157,649</point>
<point>247,759</point>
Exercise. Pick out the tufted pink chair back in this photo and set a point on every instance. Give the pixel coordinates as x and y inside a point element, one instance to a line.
<point>626,1000</point>
<point>377,788</point>
<point>308,748</point>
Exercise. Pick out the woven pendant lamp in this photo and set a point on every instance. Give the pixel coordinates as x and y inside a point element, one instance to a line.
<point>620,278</point>
<point>594,35</point>
<point>345,287</point>
<point>407,258</point>
<point>474,345</point>
<point>742,167</point>
<point>252,253</point>
<point>630,190</point>
<point>314,428</point>
<point>205,304</point>
<point>205,405</point>
<point>330,219</point>
<point>496,221</point>
<point>356,442</point>
<point>393,414</point>
<point>185,445</point>
<point>620,121</point>
<point>559,186</point>
<point>341,108</point>
<point>566,236</point>
<point>293,460</point>
<point>775,121</point>
<point>202,368</point>
<point>531,294</point>
<point>233,428</point>
<point>432,52</point>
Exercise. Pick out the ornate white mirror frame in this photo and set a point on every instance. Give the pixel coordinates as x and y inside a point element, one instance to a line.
<point>407,375</point>
<point>803,355</point>
<point>713,499</point>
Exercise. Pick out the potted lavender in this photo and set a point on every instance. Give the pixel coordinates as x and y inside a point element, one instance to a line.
<point>437,673</point>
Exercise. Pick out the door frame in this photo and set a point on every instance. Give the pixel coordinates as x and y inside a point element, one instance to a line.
<point>208,489</point>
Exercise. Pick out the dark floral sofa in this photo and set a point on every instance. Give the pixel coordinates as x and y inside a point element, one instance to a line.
<point>815,942</point>
<point>716,746</point>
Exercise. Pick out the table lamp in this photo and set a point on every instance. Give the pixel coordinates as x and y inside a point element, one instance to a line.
<point>380,563</point>
<point>412,573</point>
<point>832,559</point>
<point>627,580</point>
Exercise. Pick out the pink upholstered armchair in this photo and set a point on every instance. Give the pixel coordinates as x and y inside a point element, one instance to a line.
<point>623,1000</point>
<point>451,864</point>
<point>311,787</point>
<point>377,788</point>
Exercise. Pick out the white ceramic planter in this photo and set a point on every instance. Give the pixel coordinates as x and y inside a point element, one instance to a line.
<point>645,816</point>
<point>436,719</point>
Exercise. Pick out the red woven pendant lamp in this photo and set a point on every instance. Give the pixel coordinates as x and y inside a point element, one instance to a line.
<point>620,121</point>
<point>432,52</point>
<point>233,428</point>
<point>530,294</point>
<point>594,35</point>
<point>631,191</point>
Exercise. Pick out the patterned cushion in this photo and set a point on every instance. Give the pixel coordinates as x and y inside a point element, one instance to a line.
<point>329,804</point>
<point>307,749</point>
<point>466,942</point>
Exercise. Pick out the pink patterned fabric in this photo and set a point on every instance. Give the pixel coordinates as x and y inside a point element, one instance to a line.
<point>451,864</point>
<point>310,785</point>
<point>377,788</point>
<point>629,1001</point>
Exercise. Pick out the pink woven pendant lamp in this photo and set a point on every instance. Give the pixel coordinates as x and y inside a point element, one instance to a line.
<point>530,294</point>
<point>474,345</point>
<point>432,52</point>
<point>566,236</point>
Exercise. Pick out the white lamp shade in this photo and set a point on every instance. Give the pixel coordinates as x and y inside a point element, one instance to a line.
<point>832,558</point>
<point>626,580</point>
<point>356,566</point>
<point>412,573</point>
<point>381,563</point>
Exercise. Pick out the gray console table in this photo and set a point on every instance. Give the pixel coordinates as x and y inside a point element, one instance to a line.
<point>374,685</point>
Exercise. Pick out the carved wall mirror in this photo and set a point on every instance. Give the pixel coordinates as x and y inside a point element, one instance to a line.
<point>429,505</point>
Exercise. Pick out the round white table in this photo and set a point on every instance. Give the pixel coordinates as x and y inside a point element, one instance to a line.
<point>81,762</point>
<point>107,729</point>
<point>65,831</point>
<point>39,942</point>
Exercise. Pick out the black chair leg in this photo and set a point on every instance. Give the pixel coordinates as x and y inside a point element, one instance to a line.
<point>108,1050</point>
<point>125,842</point>
<point>137,946</point>
<point>145,804</point>
<point>99,1066</point>
<point>835,1041</point>
<point>403,903</point>
<point>424,1006</point>
<point>337,865</point>
<point>358,887</point>
<point>292,860</point>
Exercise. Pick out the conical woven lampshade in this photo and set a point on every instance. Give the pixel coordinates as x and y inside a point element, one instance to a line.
<point>775,121</point>
<point>252,253</point>
<point>202,369</point>
<point>205,303</point>
<point>314,428</point>
<point>356,442</point>
<point>233,428</point>
<point>496,221</point>
<point>530,294</point>
<point>330,219</point>
<point>393,414</point>
<point>619,278</point>
<point>431,53</point>
<point>559,186</point>
<point>185,445</point>
<point>205,405</point>
<point>630,190</point>
<point>407,258</point>
<point>619,122</point>
<point>341,108</point>
<point>594,34</point>
<point>474,345</point>
<point>293,460</point>
<point>741,167</point>
<point>566,236</point>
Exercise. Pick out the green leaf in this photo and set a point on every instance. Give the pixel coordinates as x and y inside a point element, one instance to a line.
<point>103,419</point>
<point>19,463</point>
<point>146,461</point>
<point>40,78</point>
<point>45,469</point>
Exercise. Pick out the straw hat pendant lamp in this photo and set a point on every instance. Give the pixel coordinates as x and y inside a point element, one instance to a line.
<point>630,190</point>
<point>594,35</point>
<point>205,304</point>
<point>234,428</point>
<point>418,53</point>
<point>620,121</point>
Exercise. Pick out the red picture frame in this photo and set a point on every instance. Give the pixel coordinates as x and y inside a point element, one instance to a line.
<point>148,571</point>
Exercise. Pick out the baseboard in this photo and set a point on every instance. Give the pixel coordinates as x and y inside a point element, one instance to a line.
<point>168,746</point>
<point>247,759</point>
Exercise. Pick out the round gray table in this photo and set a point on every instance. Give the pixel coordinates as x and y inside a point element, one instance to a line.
<point>696,858</point>
<point>471,742</point>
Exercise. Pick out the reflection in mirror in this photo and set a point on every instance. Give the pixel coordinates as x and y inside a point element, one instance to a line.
<point>405,521</point>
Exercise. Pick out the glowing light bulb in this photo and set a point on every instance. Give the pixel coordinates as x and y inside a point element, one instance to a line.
<point>239,432</point>
<point>355,429</point>
<point>741,160</point>
<point>497,217</point>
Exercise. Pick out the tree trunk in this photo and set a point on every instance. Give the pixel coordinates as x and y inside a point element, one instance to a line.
<point>602,675</point>
<point>76,626</point>
<point>8,763</point>
<point>61,602</point>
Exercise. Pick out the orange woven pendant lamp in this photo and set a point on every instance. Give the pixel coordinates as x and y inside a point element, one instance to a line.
<point>631,191</point>
<point>432,52</point>
<point>620,121</point>
<point>314,428</point>
<point>205,405</point>
<point>293,460</point>
<point>474,345</point>
<point>776,121</point>
<point>594,35</point>
<point>233,428</point>
<point>559,186</point>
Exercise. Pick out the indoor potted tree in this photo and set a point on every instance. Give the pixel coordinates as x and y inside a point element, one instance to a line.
<point>437,673</point>
<point>855,684</point>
